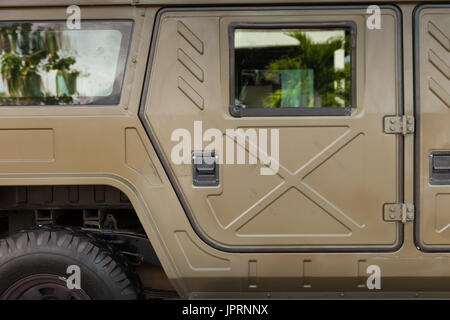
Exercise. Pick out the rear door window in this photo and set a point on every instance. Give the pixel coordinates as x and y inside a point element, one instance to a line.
<point>283,68</point>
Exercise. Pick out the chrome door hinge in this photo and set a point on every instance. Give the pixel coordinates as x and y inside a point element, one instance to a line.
<point>403,212</point>
<point>399,124</point>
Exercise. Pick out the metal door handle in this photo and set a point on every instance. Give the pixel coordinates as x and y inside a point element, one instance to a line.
<point>205,169</point>
<point>440,167</point>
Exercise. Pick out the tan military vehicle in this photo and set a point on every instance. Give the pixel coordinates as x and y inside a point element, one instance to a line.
<point>224,149</point>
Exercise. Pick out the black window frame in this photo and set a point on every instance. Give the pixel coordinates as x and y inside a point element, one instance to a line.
<point>237,111</point>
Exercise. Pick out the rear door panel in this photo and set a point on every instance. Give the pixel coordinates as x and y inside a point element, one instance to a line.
<point>331,186</point>
<point>433,136</point>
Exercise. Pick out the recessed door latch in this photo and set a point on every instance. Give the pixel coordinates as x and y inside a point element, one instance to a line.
<point>205,169</point>
<point>399,124</point>
<point>440,167</point>
<point>402,212</point>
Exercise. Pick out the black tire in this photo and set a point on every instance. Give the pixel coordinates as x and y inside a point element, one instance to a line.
<point>33,265</point>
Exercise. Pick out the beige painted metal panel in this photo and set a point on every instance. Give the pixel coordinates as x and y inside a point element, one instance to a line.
<point>31,3</point>
<point>434,104</point>
<point>29,145</point>
<point>108,145</point>
<point>331,185</point>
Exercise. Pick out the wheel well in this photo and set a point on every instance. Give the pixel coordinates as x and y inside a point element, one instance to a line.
<point>96,207</point>
<point>102,210</point>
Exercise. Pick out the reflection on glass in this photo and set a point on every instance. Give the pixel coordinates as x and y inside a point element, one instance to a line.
<point>47,64</point>
<point>285,68</point>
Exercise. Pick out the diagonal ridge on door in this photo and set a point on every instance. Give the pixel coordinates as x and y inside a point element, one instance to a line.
<point>440,92</point>
<point>439,36</point>
<point>295,180</point>
<point>312,220</point>
<point>189,64</point>
<point>440,64</point>
<point>437,59</point>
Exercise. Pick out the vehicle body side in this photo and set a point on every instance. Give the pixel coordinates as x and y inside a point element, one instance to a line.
<point>112,145</point>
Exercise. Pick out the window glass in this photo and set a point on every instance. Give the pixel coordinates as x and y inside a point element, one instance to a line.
<point>292,68</point>
<point>44,63</point>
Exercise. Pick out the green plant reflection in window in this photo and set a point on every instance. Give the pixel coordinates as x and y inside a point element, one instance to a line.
<point>292,68</point>
<point>43,63</point>
<point>26,53</point>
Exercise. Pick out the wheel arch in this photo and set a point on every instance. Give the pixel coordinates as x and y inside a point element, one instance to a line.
<point>136,199</point>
